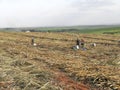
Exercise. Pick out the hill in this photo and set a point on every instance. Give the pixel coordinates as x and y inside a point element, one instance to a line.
<point>96,29</point>
<point>53,65</point>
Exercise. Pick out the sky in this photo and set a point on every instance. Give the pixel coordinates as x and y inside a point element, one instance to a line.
<point>40,13</point>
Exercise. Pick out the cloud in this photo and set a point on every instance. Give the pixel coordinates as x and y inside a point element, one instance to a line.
<point>96,11</point>
<point>15,13</point>
<point>92,4</point>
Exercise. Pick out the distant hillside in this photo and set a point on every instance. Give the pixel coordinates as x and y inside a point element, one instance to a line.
<point>104,29</point>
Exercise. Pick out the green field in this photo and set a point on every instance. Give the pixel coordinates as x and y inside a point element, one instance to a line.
<point>95,29</point>
<point>100,29</point>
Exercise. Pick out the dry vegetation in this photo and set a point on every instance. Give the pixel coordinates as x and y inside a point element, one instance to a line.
<point>54,65</point>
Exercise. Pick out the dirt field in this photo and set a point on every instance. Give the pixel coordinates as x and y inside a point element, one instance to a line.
<point>54,65</point>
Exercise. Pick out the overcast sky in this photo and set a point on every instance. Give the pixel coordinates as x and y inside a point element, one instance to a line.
<point>28,13</point>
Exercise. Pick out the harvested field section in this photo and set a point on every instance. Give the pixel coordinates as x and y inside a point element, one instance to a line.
<point>53,65</point>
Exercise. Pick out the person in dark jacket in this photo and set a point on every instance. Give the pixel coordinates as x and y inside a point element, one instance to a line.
<point>78,42</point>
